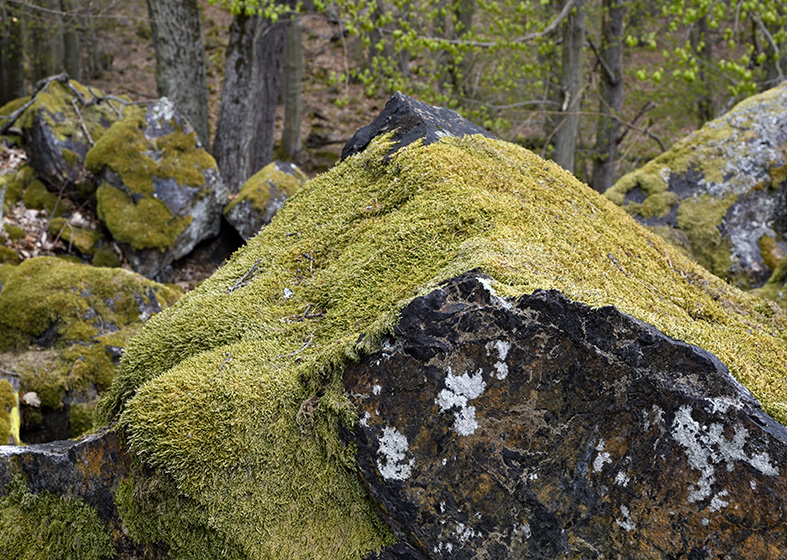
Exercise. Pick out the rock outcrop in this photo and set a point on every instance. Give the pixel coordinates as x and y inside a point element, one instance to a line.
<point>160,192</point>
<point>262,196</point>
<point>720,194</point>
<point>234,405</point>
<point>542,428</point>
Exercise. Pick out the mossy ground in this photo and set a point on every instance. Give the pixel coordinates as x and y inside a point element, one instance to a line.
<point>236,393</point>
<point>7,405</point>
<point>708,153</point>
<point>46,527</point>
<point>133,215</point>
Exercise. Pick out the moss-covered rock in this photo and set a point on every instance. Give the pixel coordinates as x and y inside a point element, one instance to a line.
<point>83,315</point>
<point>59,128</point>
<point>84,240</point>
<point>160,191</point>
<point>261,197</point>
<point>235,394</point>
<point>16,184</point>
<point>721,192</point>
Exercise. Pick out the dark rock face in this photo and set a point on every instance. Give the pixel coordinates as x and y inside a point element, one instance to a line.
<point>412,120</point>
<point>542,428</point>
<point>88,470</point>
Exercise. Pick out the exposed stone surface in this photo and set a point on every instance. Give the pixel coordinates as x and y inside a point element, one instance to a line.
<point>161,192</point>
<point>411,120</point>
<point>721,193</point>
<point>261,197</point>
<point>542,428</point>
<point>59,129</point>
<point>88,470</point>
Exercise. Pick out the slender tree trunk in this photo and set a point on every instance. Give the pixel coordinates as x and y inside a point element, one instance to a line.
<point>292,86</point>
<point>606,150</point>
<point>12,77</point>
<point>703,49</point>
<point>46,39</point>
<point>245,131</point>
<point>571,84</point>
<point>72,44</point>
<point>180,59</point>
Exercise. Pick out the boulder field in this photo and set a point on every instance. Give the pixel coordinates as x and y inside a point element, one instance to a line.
<point>442,349</point>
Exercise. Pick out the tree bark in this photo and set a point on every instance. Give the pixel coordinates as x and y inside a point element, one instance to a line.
<point>293,85</point>
<point>12,77</point>
<point>245,131</point>
<point>703,49</point>
<point>46,39</point>
<point>571,84</point>
<point>611,104</point>
<point>180,60</point>
<point>72,44</point>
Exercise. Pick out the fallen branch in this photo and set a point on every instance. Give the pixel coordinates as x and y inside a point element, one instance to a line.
<point>301,349</point>
<point>617,264</point>
<point>240,282</point>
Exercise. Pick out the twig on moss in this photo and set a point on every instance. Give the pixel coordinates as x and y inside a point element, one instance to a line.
<point>617,264</point>
<point>82,121</point>
<point>228,358</point>
<point>40,86</point>
<point>301,349</point>
<point>240,282</point>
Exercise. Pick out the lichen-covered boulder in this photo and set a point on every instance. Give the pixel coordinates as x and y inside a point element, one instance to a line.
<point>540,428</point>
<point>235,395</point>
<point>720,194</point>
<point>62,326</point>
<point>63,123</point>
<point>160,191</point>
<point>261,197</point>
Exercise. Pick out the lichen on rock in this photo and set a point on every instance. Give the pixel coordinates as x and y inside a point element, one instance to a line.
<point>720,190</point>
<point>235,393</point>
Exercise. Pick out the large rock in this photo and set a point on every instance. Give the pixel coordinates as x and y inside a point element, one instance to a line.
<point>262,196</point>
<point>62,124</point>
<point>542,428</point>
<point>721,193</point>
<point>62,326</point>
<point>160,192</point>
<point>235,395</point>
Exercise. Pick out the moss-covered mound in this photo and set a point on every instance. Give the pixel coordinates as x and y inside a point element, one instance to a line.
<point>83,315</point>
<point>234,394</point>
<point>719,194</point>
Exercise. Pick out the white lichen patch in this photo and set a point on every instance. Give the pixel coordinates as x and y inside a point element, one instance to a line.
<point>626,523</point>
<point>717,503</point>
<point>706,447</point>
<point>365,420</point>
<point>376,389</point>
<point>461,389</point>
<point>502,347</point>
<point>621,479</point>
<point>487,284</point>
<point>602,457</point>
<point>392,459</point>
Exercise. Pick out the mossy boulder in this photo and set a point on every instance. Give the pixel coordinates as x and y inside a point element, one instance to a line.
<point>235,396</point>
<point>15,184</point>
<point>720,194</point>
<point>61,329</point>
<point>262,196</point>
<point>160,191</point>
<point>64,121</point>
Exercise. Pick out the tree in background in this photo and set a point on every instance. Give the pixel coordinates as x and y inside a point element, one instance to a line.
<point>180,60</point>
<point>12,79</point>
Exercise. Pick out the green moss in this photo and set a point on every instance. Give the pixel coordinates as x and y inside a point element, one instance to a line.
<point>9,256</point>
<point>211,391</point>
<point>14,232</point>
<point>774,288</point>
<point>144,222</point>
<point>699,218</point>
<point>15,186</point>
<point>46,527</point>
<point>7,405</point>
<point>37,196</point>
<point>84,240</point>
<point>105,257</point>
<point>8,109</point>
<point>265,184</point>
<point>76,300</point>
<point>81,418</point>
<point>770,251</point>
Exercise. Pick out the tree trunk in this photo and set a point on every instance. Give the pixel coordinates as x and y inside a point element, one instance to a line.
<point>292,86</point>
<point>180,59</point>
<point>703,49</point>
<point>245,131</point>
<point>571,84</point>
<point>608,134</point>
<point>46,39</point>
<point>12,77</point>
<point>72,44</point>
